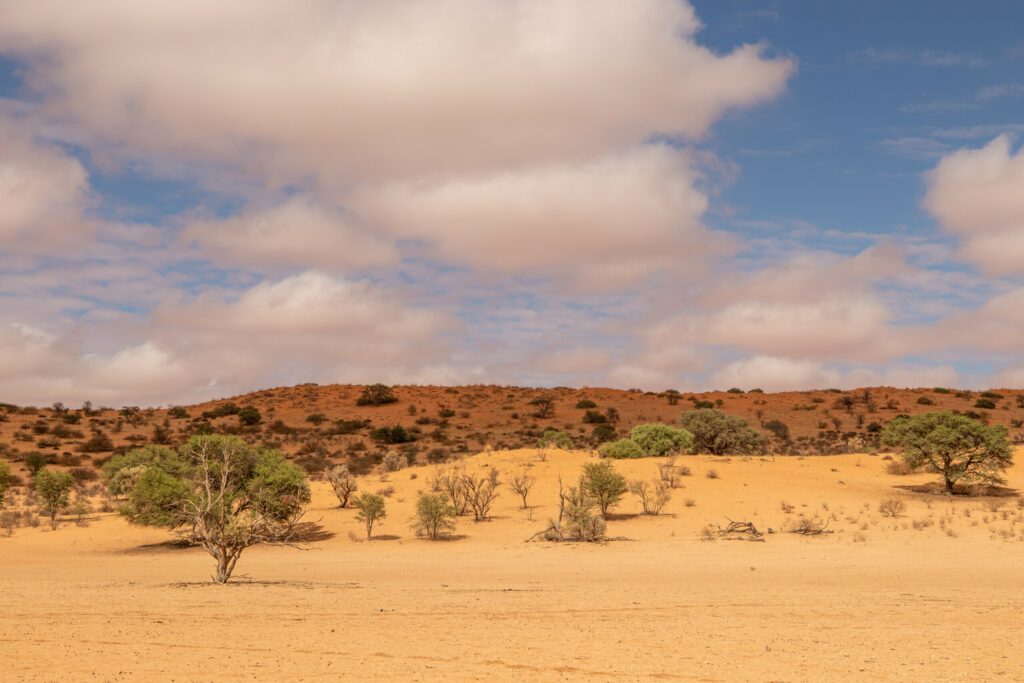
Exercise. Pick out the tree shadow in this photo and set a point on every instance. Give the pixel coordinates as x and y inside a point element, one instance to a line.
<point>622,516</point>
<point>385,537</point>
<point>311,532</point>
<point>936,488</point>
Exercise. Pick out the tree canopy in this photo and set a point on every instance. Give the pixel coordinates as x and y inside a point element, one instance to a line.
<point>716,433</point>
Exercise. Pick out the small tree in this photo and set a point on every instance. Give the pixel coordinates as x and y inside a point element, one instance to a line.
<point>371,509</point>
<point>553,438</point>
<point>224,495</point>
<point>959,448</point>
<point>716,433</point>
<point>249,416</point>
<point>376,395</point>
<point>545,407</point>
<point>602,483</point>
<point>661,439</point>
<point>53,489</point>
<point>434,516</point>
<point>5,482</point>
<point>577,518</point>
<point>343,483</point>
<point>521,483</point>
<point>480,493</point>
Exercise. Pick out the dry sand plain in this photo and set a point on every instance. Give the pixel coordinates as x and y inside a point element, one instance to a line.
<point>878,599</point>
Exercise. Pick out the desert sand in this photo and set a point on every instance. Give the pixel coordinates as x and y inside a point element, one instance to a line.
<point>932,595</point>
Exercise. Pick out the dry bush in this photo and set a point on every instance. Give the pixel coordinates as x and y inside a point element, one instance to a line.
<point>899,467</point>
<point>786,507</point>
<point>453,486</point>
<point>689,502</point>
<point>394,461</point>
<point>808,526</point>
<point>480,493</point>
<point>579,517</point>
<point>522,483</point>
<point>711,474</point>
<point>669,473</point>
<point>343,483</point>
<point>892,507</point>
<point>653,499</point>
<point>994,504</point>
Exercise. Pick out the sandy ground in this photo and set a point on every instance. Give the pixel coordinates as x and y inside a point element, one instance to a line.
<point>933,595</point>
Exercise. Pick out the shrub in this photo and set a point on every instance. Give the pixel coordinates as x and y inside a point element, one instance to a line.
<point>435,517</point>
<point>522,483</point>
<point>371,508</point>
<point>585,403</point>
<point>601,482</point>
<point>959,448</point>
<point>34,462</point>
<point>224,495</point>
<point>343,483</point>
<point>316,419</point>
<point>985,404</point>
<point>711,474</point>
<point>98,443</point>
<point>623,448</point>
<point>553,438</point>
<point>577,517</point>
<point>716,433</point>
<point>394,461</point>
<point>735,390</point>
<point>942,390</point>
<point>602,433</point>
<point>480,493</point>
<point>376,395</point>
<point>653,499</point>
<point>892,507</point>
<point>925,401</point>
<point>991,394</point>
<point>391,435</point>
<point>661,439</point>
<point>249,416</point>
<point>545,407</point>
<point>5,482</point>
<point>53,489</point>
<point>178,413</point>
<point>779,428</point>
<point>594,417</point>
<point>221,410</point>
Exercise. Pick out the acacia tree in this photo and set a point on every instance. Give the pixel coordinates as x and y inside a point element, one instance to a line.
<point>716,433</point>
<point>961,449</point>
<point>371,508</point>
<point>601,482</point>
<point>53,489</point>
<point>223,494</point>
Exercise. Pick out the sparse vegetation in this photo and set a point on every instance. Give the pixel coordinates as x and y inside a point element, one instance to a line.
<point>371,509</point>
<point>435,517</point>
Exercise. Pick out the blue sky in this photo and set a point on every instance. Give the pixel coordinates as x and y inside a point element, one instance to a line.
<point>205,200</point>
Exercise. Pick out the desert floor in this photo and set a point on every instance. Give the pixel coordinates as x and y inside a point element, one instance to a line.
<point>933,595</point>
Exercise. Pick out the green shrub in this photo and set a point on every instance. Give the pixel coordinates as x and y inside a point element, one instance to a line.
<point>553,438</point>
<point>371,508</point>
<point>249,416</point>
<point>435,517</point>
<point>716,433</point>
<point>925,401</point>
<point>985,404</point>
<point>604,484</point>
<point>660,439</point>
<point>602,433</point>
<point>53,489</point>
<point>376,395</point>
<point>391,435</point>
<point>623,448</point>
<point>178,413</point>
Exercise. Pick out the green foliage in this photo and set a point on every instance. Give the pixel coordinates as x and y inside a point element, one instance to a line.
<point>925,401</point>
<point>735,390</point>
<point>178,413</point>
<point>371,508</point>
<point>53,489</point>
<point>435,516</point>
<point>5,480</point>
<point>123,471</point>
<point>661,439</point>
<point>376,395</point>
<point>985,404</point>
<point>604,484</point>
<point>942,390</point>
<point>779,428</point>
<point>621,449</point>
<point>249,416</point>
<point>701,405</point>
<point>553,438</point>
<point>98,443</point>
<point>603,433</point>
<point>545,407</point>
<point>316,419</point>
<point>961,449</point>
<point>218,491</point>
<point>391,435</point>
<point>34,461</point>
<point>585,403</point>
<point>991,394</point>
<point>222,410</point>
<point>594,417</point>
<point>717,433</point>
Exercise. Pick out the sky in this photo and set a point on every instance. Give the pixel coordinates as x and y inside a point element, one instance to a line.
<point>202,199</point>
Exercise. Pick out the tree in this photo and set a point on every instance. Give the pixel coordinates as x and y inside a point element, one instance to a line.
<point>122,471</point>
<point>343,483</point>
<point>716,433</point>
<point>661,439</point>
<point>962,450</point>
<point>602,483</point>
<point>434,516</point>
<point>623,448</point>
<point>545,407</point>
<point>222,494</point>
<point>371,509</point>
<point>53,489</point>
<point>34,461</point>
<point>376,395</point>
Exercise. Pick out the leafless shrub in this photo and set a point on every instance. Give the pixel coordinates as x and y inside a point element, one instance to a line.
<point>808,526</point>
<point>453,486</point>
<point>786,507</point>
<point>994,504</point>
<point>579,518</point>
<point>689,502</point>
<point>899,467</point>
<point>480,493</point>
<point>711,474</point>
<point>394,461</point>
<point>745,531</point>
<point>669,473</point>
<point>653,499</point>
<point>521,483</point>
<point>892,507</point>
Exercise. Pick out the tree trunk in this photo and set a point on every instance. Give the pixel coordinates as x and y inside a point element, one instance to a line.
<point>949,486</point>
<point>226,558</point>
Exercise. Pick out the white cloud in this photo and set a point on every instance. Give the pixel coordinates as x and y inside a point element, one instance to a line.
<point>978,195</point>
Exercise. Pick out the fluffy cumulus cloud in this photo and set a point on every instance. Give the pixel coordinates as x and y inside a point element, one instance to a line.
<point>43,192</point>
<point>978,195</point>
